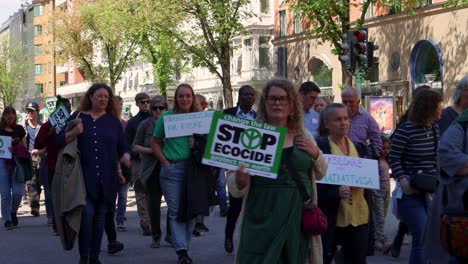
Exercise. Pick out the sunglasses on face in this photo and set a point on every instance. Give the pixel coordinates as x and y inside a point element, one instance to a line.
<point>160,108</point>
<point>144,101</point>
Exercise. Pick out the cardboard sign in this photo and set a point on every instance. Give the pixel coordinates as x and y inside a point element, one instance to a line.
<point>5,143</point>
<point>350,171</point>
<point>179,125</point>
<point>59,117</point>
<point>234,141</point>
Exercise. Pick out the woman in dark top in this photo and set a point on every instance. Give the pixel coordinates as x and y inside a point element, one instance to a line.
<point>11,189</point>
<point>460,103</point>
<point>102,146</point>
<point>413,149</point>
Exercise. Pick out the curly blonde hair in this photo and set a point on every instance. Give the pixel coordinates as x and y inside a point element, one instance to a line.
<point>294,123</point>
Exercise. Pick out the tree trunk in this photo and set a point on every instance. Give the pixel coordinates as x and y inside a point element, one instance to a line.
<point>226,80</point>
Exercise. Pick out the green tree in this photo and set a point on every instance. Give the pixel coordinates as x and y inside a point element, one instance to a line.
<point>13,70</point>
<point>97,35</point>
<point>330,19</point>
<point>206,34</point>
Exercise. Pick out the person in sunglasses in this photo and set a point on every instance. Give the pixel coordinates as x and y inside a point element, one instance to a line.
<point>150,168</point>
<point>142,101</point>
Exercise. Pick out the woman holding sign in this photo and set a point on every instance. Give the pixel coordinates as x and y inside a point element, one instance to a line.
<point>174,155</point>
<point>11,188</point>
<point>271,227</point>
<point>345,207</point>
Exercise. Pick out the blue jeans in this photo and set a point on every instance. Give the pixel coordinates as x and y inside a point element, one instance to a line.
<point>413,211</point>
<point>171,180</point>
<point>92,227</point>
<point>121,203</point>
<point>11,192</point>
<point>221,190</point>
<point>45,182</point>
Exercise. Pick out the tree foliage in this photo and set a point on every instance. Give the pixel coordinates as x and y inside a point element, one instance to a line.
<point>330,19</point>
<point>97,35</point>
<point>206,35</point>
<point>13,71</point>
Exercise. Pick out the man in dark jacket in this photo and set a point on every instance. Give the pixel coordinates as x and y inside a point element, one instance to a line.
<point>142,100</point>
<point>243,109</point>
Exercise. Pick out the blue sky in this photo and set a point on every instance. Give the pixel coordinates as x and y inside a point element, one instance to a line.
<point>7,8</point>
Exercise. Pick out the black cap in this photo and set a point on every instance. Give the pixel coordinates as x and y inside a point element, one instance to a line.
<point>32,106</point>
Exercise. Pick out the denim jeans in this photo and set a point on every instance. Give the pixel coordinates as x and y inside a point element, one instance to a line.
<point>121,203</point>
<point>221,190</point>
<point>45,182</point>
<point>171,179</point>
<point>92,227</point>
<point>413,211</point>
<point>10,192</point>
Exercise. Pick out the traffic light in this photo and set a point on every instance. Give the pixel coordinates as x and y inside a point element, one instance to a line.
<point>371,47</point>
<point>360,48</point>
<point>347,50</point>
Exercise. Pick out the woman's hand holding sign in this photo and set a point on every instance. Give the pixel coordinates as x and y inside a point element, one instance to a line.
<point>306,145</point>
<point>242,177</point>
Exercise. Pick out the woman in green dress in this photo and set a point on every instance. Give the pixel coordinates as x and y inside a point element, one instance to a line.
<point>272,209</point>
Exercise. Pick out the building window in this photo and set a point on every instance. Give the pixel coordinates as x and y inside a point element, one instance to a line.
<point>264,52</point>
<point>282,23</point>
<point>239,65</point>
<point>248,52</point>
<point>62,83</point>
<point>38,50</point>
<point>38,10</point>
<point>39,88</point>
<point>426,65</point>
<point>37,30</point>
<point>264,6</point>
<point>297,23</point>
<point>49,67</point>
<point>424,3</point>
<point>39,69</point>
<point>282,62</point>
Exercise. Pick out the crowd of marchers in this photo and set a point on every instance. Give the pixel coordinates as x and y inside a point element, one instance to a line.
<point>85,171</point>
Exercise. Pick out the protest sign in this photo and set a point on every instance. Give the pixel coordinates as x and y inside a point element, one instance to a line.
<point>5,143</point>
<point>59,117</point>
<point>180,125</point>
<point>50,103</point>
<point>234,141</point>
<point>350,171</point>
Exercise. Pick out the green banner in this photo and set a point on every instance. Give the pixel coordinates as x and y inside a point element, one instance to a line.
<point>233,141</point>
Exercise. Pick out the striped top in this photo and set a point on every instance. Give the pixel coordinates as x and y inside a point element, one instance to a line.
<point>412,149</point>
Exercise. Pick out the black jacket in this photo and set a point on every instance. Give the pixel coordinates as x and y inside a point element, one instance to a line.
<point>130,130</point>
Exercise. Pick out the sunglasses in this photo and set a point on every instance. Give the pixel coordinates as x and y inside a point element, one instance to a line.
<point>144,101</point>
<point>160,108</point>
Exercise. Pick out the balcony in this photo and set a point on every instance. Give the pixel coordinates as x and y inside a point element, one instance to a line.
<point>71,90</point>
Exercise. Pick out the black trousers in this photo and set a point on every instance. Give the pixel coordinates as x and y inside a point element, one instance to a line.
<point>154,194</point>
<point>235,206</point>
<point>109,224</point>
<point>353,241</point>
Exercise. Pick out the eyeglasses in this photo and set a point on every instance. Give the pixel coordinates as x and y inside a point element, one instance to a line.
<point>144,101</point>
<point>160,108</point>
<point>283,100</point>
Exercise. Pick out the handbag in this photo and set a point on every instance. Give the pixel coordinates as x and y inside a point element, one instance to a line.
<point>314,221</point>
<point>453,230</point>
<point>426,181</point>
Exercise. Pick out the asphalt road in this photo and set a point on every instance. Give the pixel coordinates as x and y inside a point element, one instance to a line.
<point>33,242</point>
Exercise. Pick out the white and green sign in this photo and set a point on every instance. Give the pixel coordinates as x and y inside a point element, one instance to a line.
<point>5,143</point>
<point>50,103</point>
<point>233,141</point>
<point>59,117</point>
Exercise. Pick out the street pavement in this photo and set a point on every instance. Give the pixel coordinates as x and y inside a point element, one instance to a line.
<point>33,242</point>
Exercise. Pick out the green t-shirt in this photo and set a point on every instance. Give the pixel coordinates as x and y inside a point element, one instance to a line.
<point>174,148</point>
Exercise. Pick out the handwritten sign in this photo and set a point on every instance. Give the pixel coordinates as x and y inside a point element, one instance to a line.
<point>180,125</point>
<point>5,143</point>
<point>59,117</point>
<point>350,171</point>
<point>234,141</point>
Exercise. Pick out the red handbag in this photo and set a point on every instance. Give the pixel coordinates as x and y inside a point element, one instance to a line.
<point>314,221</point>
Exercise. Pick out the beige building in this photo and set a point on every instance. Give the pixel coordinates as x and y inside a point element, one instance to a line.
<point>428,47</point>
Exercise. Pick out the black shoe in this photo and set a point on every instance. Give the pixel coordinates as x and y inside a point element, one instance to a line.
<point>228,245</point>
<point>114,247</point>
<point>201,227</point>
<point>7,225</point>
<point>84,260</point>
<point>223,213</point>
<point>184,259</point>
<point>14,220</point>
<point>94,260</point>
<point>146,230</point>
<point>196,232</point>
<point>35,212</point>
<point>156,242</point>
